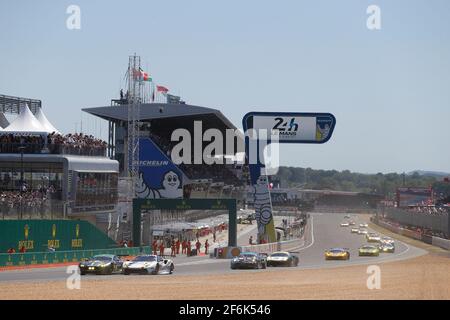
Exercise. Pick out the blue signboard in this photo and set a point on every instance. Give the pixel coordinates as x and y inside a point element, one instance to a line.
<point>159,177</point>
<point>285,127</point>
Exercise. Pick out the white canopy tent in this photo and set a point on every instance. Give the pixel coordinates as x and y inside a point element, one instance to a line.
<point>26,122</point>
<point>3,121</point>
<point>40,116</point>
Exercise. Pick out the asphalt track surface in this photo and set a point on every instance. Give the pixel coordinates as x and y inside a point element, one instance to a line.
<point>323,232</point>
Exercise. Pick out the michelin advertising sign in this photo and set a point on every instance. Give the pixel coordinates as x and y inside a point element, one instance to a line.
<point>158,176</point>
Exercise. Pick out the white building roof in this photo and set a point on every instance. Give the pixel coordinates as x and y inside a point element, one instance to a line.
<point>40,116</point>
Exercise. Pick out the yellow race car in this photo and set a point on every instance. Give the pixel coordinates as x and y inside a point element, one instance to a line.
<point>368,250</point>
<point>337,254</point>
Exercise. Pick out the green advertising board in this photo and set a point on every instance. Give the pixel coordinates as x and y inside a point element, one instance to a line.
<point>63,235</point>
<point>35,258</point>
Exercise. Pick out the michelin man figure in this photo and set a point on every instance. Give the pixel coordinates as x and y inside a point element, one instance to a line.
<point>170,187</point>
<point>262,203</point>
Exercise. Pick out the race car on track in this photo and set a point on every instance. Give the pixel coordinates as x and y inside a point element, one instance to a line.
<point>354,230</point>
<point>249,260</point>
<point>347,216</point>
<point>387,240</point>
<point>101,264</point>
<point>386,247</point>
<point>148,264</point>
<point>373,237</point>
<point>362,231</point>
<point>368,250</point>
<point>352,223</point>
<point>344,224</point>
<point>282,258</point>
<point>337,254</point>
<point>363,225</point>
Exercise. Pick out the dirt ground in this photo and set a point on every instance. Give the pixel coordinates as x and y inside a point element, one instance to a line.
<point>425,277</point>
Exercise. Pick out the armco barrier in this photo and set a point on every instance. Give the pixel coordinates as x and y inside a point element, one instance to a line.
<point>275,246</point>
<point>427,239</point>
<point>435,241</point>
<point>36,258</point>
<point>439,242</point>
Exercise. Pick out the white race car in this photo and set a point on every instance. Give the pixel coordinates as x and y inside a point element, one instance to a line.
<point>387,240</point>
<point>148,264</point>
<point>362,231</point>
<point>344,224</point>
<point>363,225</point>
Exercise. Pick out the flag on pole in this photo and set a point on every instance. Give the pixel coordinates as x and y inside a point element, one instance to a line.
<point>153,93</point>
<point>162,89</point>
<point>141,75</point>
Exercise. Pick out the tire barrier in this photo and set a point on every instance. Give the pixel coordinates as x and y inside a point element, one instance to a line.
<point>36,258</point>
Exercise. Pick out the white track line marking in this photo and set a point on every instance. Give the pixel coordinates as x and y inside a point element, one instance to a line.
<point>312,235</point>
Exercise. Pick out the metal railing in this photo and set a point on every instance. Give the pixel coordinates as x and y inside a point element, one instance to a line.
<point>38,148</point>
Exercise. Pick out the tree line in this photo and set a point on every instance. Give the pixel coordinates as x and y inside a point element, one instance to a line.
<point>381,183</point>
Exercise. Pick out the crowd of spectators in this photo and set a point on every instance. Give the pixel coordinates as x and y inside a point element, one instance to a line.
<point>77,144</point>
<point>13,200</point>
<point>55,143</point>
<point>432,210</point>
<point>10,143</point>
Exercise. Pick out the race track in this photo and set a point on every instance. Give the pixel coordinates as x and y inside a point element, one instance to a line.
<point>323,232</point>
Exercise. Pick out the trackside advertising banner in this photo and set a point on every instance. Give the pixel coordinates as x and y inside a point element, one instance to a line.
<point>158,176</point>
<point>288,127</point>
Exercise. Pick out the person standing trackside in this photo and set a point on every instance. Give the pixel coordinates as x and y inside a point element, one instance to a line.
<point>198,245</point>
<point>177,245</point>
<point>155,247</point>
<point>188,248</point>
<point>206,246</point>
<point>183,247</point>
<point>172,248</point>
<point>214,236</point>
<point>161,248</point>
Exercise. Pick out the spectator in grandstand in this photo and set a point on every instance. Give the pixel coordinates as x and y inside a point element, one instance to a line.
<point>22,249</point>
<point>11,250</point>
<point>51,249</point>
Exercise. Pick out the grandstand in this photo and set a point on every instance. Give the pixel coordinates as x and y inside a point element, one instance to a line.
<point>47,175</point>
<point>158,121</point>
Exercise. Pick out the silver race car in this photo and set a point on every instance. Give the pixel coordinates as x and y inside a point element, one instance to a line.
<point>148,264</point>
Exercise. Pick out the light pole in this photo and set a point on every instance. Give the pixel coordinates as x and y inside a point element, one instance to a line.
<point>22,184</point>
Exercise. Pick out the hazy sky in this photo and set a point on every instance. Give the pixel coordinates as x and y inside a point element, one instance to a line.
<point>389,89</point>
